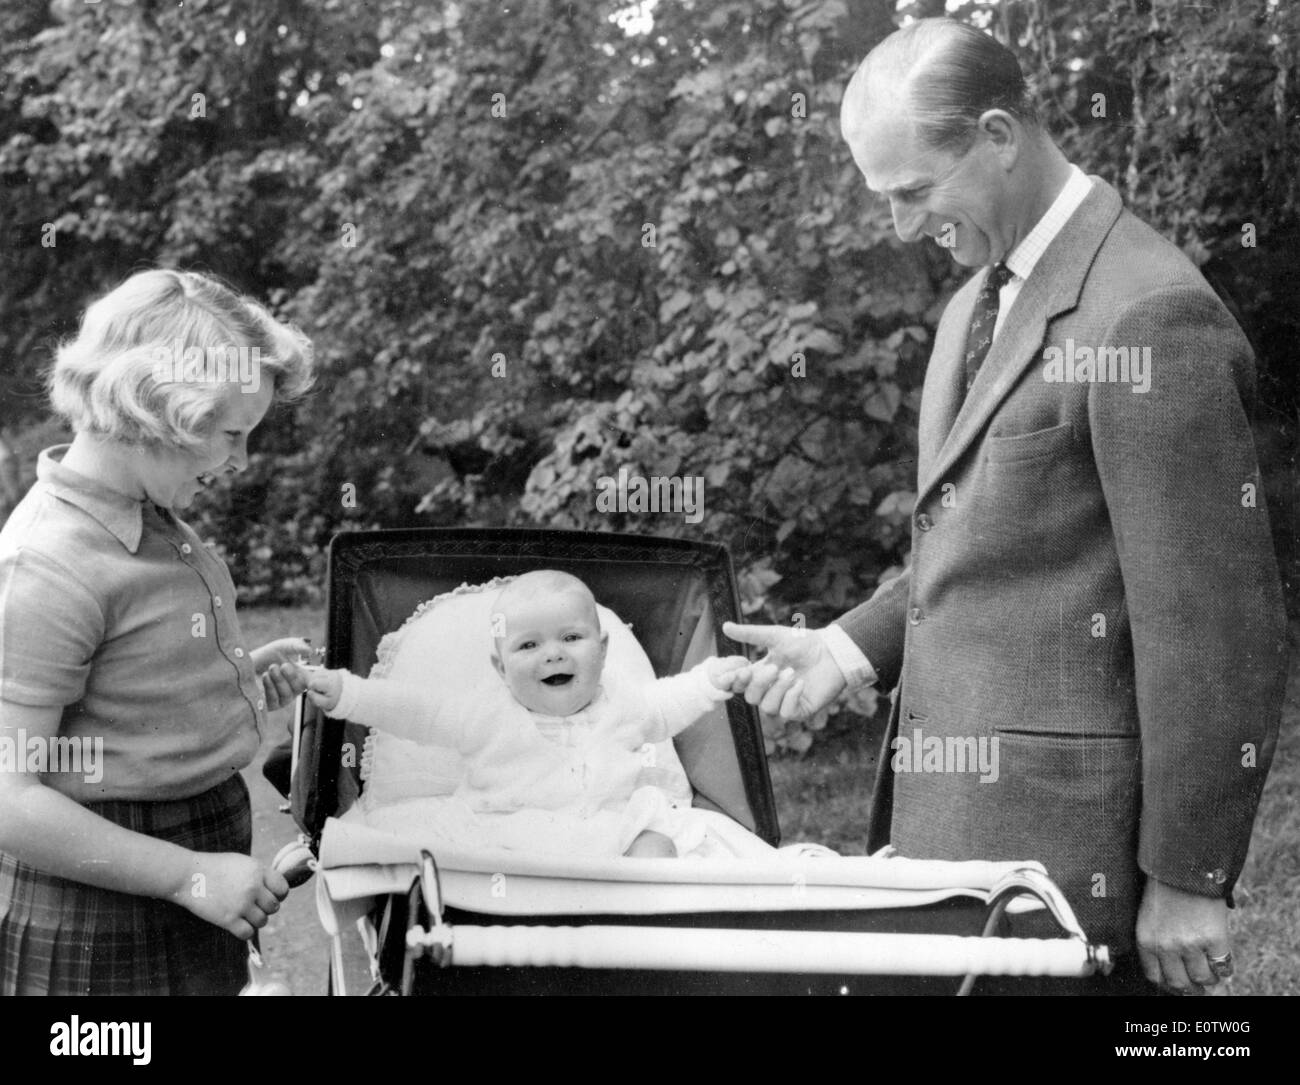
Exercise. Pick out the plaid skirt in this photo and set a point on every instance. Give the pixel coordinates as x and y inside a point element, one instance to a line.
<point>62,937</point>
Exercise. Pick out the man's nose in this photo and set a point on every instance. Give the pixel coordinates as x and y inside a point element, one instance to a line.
<point>908,221</point>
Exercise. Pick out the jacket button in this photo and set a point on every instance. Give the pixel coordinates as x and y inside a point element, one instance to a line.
<point>186,548</point>
<point>924,522</point>
<point>1219,877</point>
<point>216,599</point>
<point>914,616</point>
<point>239,653</point>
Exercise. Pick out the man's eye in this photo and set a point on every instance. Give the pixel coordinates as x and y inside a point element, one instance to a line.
<point>573,636</point>
<point>526,645</point>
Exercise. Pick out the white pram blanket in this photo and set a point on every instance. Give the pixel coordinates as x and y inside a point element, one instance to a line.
<point>359,859</point>
<point>447,823</point>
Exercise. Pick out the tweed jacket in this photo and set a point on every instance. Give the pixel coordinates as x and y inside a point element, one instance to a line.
<point>1088,643</point>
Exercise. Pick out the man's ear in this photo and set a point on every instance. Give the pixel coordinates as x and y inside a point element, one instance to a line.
<point>604,643</point>
<point>496,662</point>
<point>1004,132</point>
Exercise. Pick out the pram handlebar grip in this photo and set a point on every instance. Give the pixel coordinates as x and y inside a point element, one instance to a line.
<point>789,951</point>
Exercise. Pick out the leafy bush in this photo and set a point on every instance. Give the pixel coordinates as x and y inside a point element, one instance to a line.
<point>538,244</point>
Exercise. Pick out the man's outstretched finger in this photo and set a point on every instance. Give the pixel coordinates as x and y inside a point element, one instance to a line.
<point>760,636</point>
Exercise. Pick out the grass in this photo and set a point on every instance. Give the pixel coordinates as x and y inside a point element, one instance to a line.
<point>825,796</point>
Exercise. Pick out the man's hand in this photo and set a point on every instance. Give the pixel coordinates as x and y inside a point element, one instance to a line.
<point>795,678</point>
<point>1178,933</point>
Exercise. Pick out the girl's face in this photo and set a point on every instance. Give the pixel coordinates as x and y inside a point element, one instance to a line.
<point>172,479</point>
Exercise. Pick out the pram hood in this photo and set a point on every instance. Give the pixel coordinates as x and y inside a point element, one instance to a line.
<point>674,593</point>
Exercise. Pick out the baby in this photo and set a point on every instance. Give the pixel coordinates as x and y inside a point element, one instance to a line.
<point>561,745</point>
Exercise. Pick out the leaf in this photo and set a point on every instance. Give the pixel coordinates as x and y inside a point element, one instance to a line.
<point>882,405</point>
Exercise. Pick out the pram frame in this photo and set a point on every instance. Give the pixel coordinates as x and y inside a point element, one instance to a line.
<point>319,743</point>
<point>414,928</point>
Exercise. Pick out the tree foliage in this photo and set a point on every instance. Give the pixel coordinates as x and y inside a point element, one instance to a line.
<point>535,243</point>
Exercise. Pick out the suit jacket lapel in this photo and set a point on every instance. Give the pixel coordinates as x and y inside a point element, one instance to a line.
<point>1053,287</point>
<point>945,378</point>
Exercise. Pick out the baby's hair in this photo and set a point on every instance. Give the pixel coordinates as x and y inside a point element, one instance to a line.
<point>538,582</point>
<point>107,380</point>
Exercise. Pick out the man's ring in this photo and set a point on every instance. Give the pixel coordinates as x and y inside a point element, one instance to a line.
<point>1221,966</point>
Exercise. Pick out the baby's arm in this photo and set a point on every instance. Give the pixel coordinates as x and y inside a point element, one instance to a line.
<point>673,704</point>
<point>396,708</point>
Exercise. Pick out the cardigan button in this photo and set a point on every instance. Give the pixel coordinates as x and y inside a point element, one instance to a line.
<point>924,522</point>
<point>915,616</point>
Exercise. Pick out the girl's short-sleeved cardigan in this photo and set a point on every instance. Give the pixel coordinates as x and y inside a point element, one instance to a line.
<point>113,610</point>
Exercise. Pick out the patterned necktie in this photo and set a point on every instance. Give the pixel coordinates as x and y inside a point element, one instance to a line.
<point>983,320</point>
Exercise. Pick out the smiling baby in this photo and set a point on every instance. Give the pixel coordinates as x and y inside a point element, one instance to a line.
<point>566,754</point>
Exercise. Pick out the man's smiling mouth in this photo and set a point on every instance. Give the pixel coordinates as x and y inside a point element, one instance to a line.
<point>557,680</point>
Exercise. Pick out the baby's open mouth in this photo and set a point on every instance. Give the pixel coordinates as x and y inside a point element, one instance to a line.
<point>206,479</point>
<point>557,680</point>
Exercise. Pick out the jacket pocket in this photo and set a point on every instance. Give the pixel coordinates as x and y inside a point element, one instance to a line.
<point>1072,801</point>
<point>1028,446</point>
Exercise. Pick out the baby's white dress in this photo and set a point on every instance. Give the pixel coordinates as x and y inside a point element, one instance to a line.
<point>575,785</point>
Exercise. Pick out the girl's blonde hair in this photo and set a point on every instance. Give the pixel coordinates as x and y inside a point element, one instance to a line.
<point>130,373</point>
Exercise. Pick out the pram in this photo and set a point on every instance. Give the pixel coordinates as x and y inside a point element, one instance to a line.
<point>801,922</point>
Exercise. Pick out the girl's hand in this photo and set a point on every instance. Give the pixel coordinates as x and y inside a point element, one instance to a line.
<point>284,650</point>
<point>324,687</point>
<point>274,664</point>
<point>281,683</point>
<point>232,891</point>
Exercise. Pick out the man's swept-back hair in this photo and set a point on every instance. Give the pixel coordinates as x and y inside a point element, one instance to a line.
<point>951,74</point>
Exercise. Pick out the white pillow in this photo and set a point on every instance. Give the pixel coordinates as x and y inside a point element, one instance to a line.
<point>446,645</point>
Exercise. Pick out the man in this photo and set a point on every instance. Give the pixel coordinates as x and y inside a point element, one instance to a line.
<point>1092,596</point>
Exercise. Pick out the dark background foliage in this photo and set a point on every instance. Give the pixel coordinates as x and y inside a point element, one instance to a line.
<point>537,242</point>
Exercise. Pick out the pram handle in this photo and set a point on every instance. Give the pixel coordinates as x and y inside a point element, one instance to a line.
<point>1034,883</point>
<point>294,862</point>
<point>744,950</point>
<point>732,950</point>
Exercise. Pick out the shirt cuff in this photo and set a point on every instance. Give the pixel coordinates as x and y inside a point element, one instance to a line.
<point>856,668</point>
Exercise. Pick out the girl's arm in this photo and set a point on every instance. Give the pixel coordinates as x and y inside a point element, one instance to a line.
<point>48,830</point>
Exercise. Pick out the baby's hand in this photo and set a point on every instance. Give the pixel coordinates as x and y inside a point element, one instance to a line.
<point>723,671</point>
<point>324,687</point>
